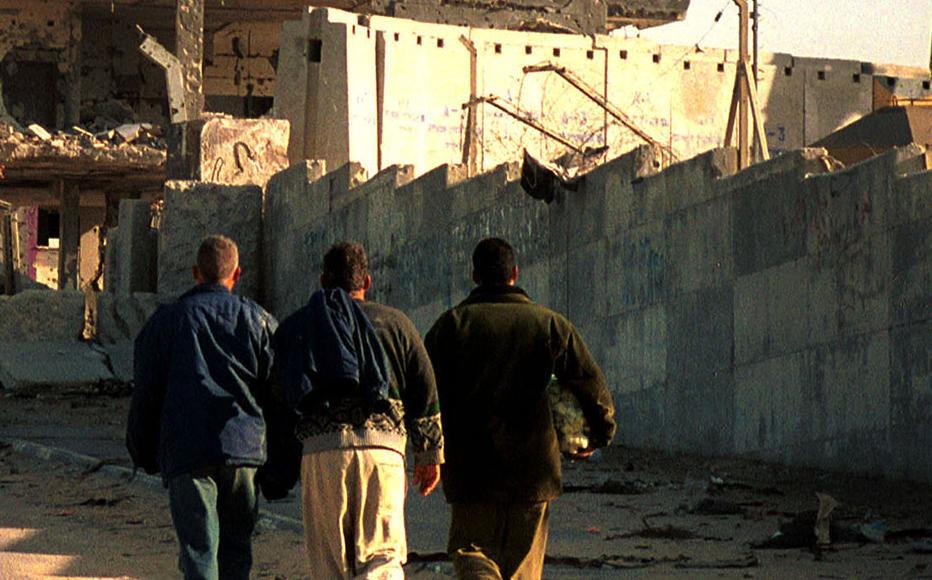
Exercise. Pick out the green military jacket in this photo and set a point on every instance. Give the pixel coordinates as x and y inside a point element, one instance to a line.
<point>493,355</point>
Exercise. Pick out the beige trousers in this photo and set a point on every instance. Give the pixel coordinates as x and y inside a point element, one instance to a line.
<point>353,506</point>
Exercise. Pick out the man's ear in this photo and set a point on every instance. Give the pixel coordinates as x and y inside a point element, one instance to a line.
<point>196,272</point>
<point>236,274</point>
<point>367,283</point>
<point>476,278</point>
<point>513,279</point>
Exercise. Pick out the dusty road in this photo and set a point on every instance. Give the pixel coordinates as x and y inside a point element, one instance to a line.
<point>632,514</point>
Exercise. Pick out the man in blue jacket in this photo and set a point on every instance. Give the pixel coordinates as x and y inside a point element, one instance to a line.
<point>202,377</point>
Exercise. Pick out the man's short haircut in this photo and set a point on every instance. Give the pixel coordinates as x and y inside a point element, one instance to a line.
<point>217,258</point>
<point>346,266</point>
<point>493,261</point>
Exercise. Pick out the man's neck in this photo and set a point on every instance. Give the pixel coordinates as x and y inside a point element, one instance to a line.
<point>359,295</point>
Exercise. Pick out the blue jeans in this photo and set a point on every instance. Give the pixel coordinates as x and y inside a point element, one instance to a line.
<point>214,510</point>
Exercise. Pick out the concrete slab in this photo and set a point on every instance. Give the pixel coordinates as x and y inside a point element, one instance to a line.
<point>190,214</point>
<point>43,366</point>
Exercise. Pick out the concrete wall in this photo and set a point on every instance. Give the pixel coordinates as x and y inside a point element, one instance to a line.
<point>382,91</point>
<point>782,312</point>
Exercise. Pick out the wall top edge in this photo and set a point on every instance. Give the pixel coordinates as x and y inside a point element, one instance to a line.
<point>335,16</point>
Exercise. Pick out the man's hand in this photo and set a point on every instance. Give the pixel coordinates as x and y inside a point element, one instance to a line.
<point>426,478</point>
<point>580,455</point>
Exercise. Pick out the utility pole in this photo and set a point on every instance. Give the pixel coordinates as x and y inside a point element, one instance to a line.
<point>744,149</point>
<point>756,16</point>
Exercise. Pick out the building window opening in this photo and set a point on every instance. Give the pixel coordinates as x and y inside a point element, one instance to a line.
<point>47,228</point>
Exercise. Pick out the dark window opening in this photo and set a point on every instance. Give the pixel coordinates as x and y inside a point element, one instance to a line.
<point>439,43</point>
<point>721,67</point>
<point>30,90</point>
<point>687,65</point>
<point>623,54</point>
<point>856,78</point>
<point>315,49</point>
<point>788,71</point>
<point>248,107</point>
<point>498,48</point>
<point>656,58</point>
<point>528,50</point>
<point>47,235</point>
<point>590,55</point>
<point>891,81</point>
<point>821,75</point>
<point>925,85</point>
<point>556,52</point>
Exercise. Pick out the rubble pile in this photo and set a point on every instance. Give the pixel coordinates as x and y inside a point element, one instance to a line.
<point>124,149</point>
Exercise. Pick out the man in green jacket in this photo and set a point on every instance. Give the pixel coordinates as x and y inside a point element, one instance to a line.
<point>494,355</point>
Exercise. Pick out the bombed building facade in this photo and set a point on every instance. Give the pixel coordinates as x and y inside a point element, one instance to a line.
<point>401,127</point>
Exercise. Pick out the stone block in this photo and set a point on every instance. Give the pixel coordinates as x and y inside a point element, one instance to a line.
<point>800,163</point>
<point>700,246</point>
<point>863,272</point>
<point>911,401</point>
<point>768,315</point>
<point>692,182</point>
<point>119,359</point>
<point>31,366</point>
<point>480,192</point>
<point>635,350</point>
<point>42,315</point>
<point>845,207</point>
<point>586,282</point>
<point>194,210</point>
<point>846,388</point>
<point>910,280</point>
<point>120,317</point>
<point>643,418</point>
<point>911,198</point>
<point>638,268</point>
<point>135,249</point>
<point>224,150</point>
<point>769,224</point>
<point>342,184</point>
<point>700,332</point>
<point>700,417</point>
<point>768,405</point>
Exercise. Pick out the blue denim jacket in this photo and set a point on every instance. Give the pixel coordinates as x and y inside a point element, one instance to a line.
<point>202,370</point>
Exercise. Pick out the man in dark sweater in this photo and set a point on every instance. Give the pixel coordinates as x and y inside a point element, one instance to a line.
<point>494,355</point>
<point>202,390</point>
<point>353,467</point>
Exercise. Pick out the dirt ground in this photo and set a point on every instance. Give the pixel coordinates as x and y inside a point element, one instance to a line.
<point>631,514</point>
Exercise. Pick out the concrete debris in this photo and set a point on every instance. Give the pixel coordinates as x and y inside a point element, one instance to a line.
<point>82,154</point>
<point>68,365</point>
<point>39,132</point>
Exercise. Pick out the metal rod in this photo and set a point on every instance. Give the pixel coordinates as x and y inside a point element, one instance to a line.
<point>754,30</point>
<point>516,113</point>
<point>744,146</point>
<point>608,107</point>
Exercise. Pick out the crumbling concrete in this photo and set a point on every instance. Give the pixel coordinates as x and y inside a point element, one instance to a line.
<point>41,315</point>
<point>194,210</point>
<point>230,151</point>
<point>44,366</point>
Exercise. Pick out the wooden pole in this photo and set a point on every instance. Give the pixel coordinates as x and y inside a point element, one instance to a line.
<point>6,238</point>
<point>744,148</point>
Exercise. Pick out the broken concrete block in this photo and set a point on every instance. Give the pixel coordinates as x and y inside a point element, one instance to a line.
<point>120,317</point>
<point>132,252</point>
<point>39,132</point>
<point>32,366</point>
<point>228,151</point>
<point>194,210</point>
<point>34,315</point>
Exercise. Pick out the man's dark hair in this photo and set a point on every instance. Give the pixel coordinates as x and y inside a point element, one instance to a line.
<point>346,266</point>
<point>493,261</point>
<point>217,258</point>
